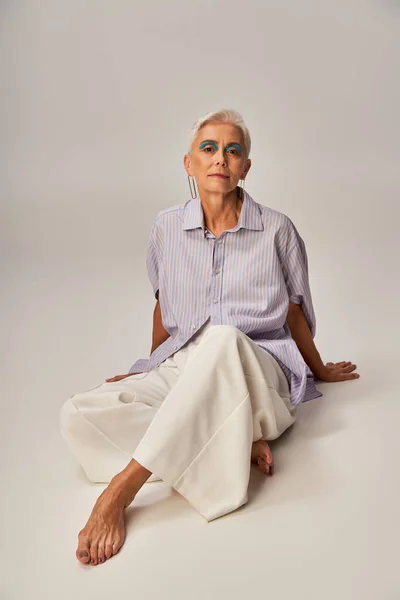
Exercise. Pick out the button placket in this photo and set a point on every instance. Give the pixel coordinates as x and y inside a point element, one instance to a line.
<point>217,260</point>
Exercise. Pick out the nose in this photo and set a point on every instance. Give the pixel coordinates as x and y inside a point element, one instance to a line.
<point>220,158</point>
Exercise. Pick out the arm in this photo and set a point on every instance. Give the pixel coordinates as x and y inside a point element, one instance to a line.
<point>160,335</point>
<point>302,336</point>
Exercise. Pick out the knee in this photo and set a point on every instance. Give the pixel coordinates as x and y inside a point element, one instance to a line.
<point>68,414</point>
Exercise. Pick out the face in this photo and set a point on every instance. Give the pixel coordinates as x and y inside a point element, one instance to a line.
<point>217,148</point>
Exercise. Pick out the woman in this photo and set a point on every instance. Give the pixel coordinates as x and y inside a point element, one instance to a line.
<point>232,356</point>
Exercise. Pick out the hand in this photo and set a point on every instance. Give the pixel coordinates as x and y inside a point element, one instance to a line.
<point>340,371</point>
<point>118,377</point>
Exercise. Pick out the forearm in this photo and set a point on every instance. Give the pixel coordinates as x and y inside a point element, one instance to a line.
<point>160,335</point>
<point>302,336</point>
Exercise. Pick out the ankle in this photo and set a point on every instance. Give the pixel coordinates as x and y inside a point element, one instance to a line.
<point>127,483</point>
<point>123,490</point>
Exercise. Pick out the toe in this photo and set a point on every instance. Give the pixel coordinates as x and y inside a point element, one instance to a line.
<point>83,551</point>
<point>109,550</point>
<point>117,545</point>
<point>268,456</point>
<point>101,551</point>
<point>93,553</point>
<point>83,556</point>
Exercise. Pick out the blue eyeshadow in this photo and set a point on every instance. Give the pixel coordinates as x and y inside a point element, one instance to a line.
<point>209,143</point>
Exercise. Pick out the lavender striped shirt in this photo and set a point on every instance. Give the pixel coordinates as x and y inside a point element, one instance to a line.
<point>245,278</point>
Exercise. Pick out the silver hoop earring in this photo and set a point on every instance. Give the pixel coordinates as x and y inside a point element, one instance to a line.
<point>190,187</point>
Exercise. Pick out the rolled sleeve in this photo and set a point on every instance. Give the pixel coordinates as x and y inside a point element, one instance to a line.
<point>140,366</point>
<point>153,259</point>
<point>295,270</point>
<point>153,267</point>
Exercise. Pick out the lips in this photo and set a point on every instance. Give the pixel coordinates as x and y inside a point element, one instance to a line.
<point>221,176</point>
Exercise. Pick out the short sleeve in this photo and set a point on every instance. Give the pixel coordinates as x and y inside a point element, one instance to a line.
<point>153,260</point>
<point>295,270</point>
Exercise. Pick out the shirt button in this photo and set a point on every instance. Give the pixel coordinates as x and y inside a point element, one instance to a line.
<point>219,241</point>
<point>193,326</point>
<point>218,271</point>
<point>215,300</point>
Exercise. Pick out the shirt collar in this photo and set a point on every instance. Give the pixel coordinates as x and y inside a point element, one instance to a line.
<point>249,218</point>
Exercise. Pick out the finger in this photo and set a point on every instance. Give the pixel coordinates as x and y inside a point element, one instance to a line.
<point>350,376</point>
<point>344,365</point>
<point>349,369</point>
<point>117,378</point>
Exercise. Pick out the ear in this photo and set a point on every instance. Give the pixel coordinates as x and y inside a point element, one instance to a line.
<point>246,168</point>
<point>187,162</point>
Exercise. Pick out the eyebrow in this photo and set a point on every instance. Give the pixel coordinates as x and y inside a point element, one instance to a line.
<point>214,142</point>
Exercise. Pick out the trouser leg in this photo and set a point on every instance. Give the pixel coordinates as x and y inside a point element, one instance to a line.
<point>103,426</point>
<point>230,393</point>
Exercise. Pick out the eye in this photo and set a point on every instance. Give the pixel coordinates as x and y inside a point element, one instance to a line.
<point>231,150</point>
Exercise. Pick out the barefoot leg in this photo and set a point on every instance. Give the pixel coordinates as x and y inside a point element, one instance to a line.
<point>104,533</point>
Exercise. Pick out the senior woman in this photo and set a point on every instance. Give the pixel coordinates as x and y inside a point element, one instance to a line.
<point>232,355</point>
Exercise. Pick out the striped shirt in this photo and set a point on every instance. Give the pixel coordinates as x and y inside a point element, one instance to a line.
<point>245,277</point>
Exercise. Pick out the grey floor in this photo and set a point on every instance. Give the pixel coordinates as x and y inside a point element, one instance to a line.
<point>325,526</point>
<point>93,137</point>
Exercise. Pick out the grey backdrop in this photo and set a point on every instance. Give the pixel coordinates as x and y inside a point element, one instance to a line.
<point>97,100</point>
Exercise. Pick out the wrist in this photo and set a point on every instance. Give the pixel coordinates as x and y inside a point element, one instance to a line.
<point>320,372</point>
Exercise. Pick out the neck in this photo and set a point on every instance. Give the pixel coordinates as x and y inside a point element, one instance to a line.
<point>221,211</point>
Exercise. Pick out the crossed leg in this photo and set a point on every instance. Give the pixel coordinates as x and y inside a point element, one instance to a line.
<point>104,532</point>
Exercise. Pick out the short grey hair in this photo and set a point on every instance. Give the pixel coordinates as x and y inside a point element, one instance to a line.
<point>225,115</point>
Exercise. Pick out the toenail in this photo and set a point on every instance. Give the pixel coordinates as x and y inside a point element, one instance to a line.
<point>83,554</point>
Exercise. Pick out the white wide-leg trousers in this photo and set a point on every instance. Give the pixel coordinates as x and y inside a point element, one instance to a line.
<point>191,421</point>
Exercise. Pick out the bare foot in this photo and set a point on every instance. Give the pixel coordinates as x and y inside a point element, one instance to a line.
<point>261,455</point>
<point>104,533</point>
